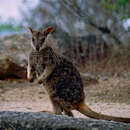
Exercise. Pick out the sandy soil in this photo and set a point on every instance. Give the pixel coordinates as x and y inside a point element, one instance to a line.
<point>23,96</point>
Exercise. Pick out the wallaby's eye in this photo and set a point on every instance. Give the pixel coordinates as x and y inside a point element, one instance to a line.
<point>42,40</point>
<point>32,39</point>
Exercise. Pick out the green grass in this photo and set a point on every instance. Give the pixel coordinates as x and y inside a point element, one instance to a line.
<point>10,27</point>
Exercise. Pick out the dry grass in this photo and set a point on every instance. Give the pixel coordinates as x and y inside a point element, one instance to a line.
<point>117,64</point>
<point>116,90</point>
<point>110,97</point>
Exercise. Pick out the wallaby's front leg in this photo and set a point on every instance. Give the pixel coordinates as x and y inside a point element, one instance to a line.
<point>29,76</point>
<point>30,73</point>
<point>42,77</point>
<point>45,74</point>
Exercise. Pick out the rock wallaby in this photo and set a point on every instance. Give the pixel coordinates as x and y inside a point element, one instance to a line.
<point>60,77</point>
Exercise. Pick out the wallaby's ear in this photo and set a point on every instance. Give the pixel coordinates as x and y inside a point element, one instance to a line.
<point>30,29</point>
<point>48,30</point>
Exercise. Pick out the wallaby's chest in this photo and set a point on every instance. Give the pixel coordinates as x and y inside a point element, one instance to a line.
<point>36,58</point>
<point>37,61</point>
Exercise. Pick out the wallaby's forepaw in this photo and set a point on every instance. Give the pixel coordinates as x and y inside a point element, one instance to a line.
<point>30,80</point>
<point>38,81</point>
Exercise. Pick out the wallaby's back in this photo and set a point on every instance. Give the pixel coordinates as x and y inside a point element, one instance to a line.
<point>66,85</point>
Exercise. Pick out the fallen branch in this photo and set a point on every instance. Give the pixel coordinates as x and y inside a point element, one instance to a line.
<point>43,121</point>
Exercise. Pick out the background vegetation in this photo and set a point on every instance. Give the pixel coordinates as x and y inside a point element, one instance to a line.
<point>78,18</point>
<point>83,17</point>
<point>9,27</point>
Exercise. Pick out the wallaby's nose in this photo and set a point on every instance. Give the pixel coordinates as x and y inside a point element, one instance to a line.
<point>37,48</point>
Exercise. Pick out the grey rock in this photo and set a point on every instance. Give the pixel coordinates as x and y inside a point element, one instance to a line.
<point>44,121</point>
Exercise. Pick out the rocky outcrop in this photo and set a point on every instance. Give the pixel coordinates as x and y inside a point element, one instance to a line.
<point>43,121</point>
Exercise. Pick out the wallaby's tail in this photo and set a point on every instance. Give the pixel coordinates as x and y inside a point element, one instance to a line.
<point>84,109</point>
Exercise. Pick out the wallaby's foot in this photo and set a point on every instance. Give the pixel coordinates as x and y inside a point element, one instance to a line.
<point>51,112</point>
<point>68,113</point>
<point>47,111</point>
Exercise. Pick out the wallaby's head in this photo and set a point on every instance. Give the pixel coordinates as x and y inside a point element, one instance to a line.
<point>39,37</point>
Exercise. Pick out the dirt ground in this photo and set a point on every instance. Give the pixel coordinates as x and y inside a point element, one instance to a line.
<point>111,97</point>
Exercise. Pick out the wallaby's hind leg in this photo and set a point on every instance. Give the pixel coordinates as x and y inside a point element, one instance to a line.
<point>56,110</point>
<point>68,112</point>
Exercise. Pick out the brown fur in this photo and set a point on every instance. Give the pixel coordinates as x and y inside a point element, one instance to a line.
<point>63,83</point>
